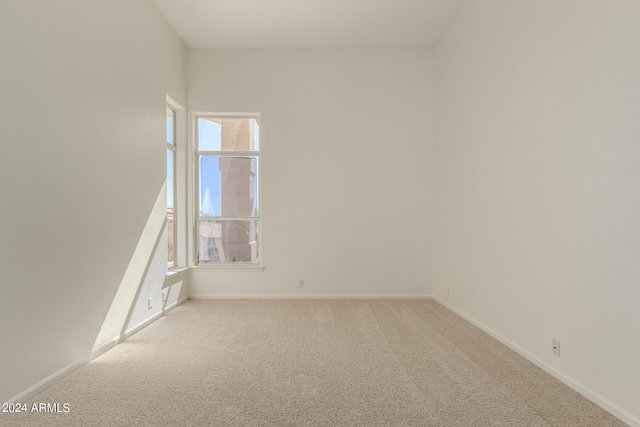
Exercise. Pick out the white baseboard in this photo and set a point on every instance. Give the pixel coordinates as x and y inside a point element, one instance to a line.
<point>604,403</point>
<point>46,383</point>
<point>105,347</point>
<point>57,376</point>
<point>307,296</point>
<point>118,339</point>
<point>153,318</point>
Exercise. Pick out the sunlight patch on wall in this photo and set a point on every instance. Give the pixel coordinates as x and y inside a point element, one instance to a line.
<point>113,326</point>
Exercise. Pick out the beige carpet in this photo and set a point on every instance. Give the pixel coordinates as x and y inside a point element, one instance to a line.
<point>312,363</point>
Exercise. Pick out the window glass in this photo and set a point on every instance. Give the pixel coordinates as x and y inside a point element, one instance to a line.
<point>228,186</point>
<point>222,134</point>
<point>256,135</point>
<point>228,171</point>
<point>171,134</point>
<point>209,135</point>
<point>170,178</point>
<point>171,185</point>
<point>227,241</point>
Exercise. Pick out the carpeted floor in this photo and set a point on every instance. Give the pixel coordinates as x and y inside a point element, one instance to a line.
<point>312,363</point>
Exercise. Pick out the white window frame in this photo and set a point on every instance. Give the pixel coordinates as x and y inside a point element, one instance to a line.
<point>180,190</point>
<point>196,192</point>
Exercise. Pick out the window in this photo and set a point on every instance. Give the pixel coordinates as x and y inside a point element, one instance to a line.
<point>171,186</point>
<point>228,223</point>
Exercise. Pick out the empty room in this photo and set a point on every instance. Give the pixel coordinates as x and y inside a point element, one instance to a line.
<point>327,213</point>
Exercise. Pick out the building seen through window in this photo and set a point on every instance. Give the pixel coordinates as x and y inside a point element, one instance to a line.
<point>228,152</point>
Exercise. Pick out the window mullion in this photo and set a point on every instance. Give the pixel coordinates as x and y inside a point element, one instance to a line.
<point>228,218</point>
<point>229,153</point>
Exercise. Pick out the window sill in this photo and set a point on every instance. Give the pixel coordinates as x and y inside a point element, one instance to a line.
<point>176,270</point>
<point>174,276</point>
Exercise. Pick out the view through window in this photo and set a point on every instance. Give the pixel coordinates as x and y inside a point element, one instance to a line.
<point>228,153</point>
<point>171,186</point>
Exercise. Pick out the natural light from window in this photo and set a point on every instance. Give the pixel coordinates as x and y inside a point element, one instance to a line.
<point>228,214</point>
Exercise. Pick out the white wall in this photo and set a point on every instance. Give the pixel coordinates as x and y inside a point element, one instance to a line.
<point>155,279</point>
<point>538,183</point>
<point>83,91</point>
<point>346,167</point>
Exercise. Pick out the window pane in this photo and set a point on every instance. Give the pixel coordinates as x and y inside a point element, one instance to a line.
<point>228,134</point>
<point>170,179</point>
<point>170,126</point>
<point>171,238</point>
<point>228,186</point>
<point>228,241</point>
<point>170,208</point>
<point>256,135</point>
<point>209,135</point>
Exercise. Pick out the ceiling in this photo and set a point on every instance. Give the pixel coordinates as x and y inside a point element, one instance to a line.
<point>227,24</point>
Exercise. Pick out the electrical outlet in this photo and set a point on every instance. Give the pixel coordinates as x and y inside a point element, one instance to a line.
<point>555,347</point>
<point>301,284</point>
<point>150,303</point>
<point>164,294</point>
